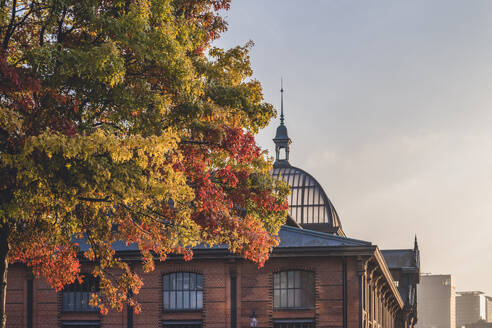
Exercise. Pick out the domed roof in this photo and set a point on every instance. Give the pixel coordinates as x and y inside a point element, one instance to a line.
<point>308,204</point>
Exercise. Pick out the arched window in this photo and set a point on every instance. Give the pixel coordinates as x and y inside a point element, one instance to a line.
<point>293,289</point>
<point>76,296</point>
<point>183,291</point>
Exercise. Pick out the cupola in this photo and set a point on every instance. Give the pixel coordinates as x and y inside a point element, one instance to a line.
<point>282,140</point>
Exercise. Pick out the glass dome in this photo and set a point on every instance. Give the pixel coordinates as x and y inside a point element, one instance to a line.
<point>308,204</point>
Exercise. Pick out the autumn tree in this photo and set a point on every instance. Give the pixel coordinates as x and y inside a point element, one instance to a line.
<point>119,121</point>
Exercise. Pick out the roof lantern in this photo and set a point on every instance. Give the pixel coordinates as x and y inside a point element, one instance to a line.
<point>282,140</point>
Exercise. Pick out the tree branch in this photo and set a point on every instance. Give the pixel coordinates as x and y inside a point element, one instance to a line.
<point>10,28</point>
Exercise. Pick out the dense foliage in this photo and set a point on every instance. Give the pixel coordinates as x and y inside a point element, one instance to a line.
<point>119,121</point>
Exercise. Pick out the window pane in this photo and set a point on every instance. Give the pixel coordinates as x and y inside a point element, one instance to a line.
<point>290,279</point>
<point>85,300</point>
<point>199,300</point>
<point>172,281</point>
<point>283,279</point>
<point>276,280</point>
<point>77,301</point>
<point>192,281</point>
<point>179,281</point>
<point>299,302</point>
<point>297,282</point>
<point>172,300</point>
<point>167,286</point>
<point>70,301</point>
<point>199,282</point>
<point>283,298</point>
<point>276,298</point>
<point>179,300</point>
<point>290,298</point>
<point>186,281</point>
<point>186,300</point>
<point>193,300</point>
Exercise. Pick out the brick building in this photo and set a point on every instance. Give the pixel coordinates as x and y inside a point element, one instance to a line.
<point>316,277</point>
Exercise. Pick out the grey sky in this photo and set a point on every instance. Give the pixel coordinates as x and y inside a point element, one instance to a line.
<point>388,104</point>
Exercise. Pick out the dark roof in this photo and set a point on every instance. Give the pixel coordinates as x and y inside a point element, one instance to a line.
<point>297,237</point>
<point>308,202</point>
<point>118,246</point>
<point>282,134</point>
<point>290,237</point>
<point>400,258</point>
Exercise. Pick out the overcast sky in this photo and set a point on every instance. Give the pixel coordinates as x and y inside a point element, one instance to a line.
<point>388,104</point>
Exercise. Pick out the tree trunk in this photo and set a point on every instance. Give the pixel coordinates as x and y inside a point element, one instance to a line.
<point>4,266</point>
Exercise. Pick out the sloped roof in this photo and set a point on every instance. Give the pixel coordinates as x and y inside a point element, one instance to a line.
<point>399,258</point>
<point>290,237</point>
<point>296,237</point>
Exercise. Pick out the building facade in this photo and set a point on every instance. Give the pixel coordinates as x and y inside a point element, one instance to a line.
<point>316,277</point>
<point>312,280</point>
<point>471,307</point>
<point>436,302</point>
<point>488,306</point>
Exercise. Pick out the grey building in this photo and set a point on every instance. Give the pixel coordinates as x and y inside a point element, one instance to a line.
<point>436,302</point>
<point>471,307</point>
<point>488,306</point>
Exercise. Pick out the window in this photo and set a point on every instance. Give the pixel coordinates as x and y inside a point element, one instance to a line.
<point>293,289</point>
<point>183,291</point>
<point>76,296</point>
<point>294,323</point>
<point>182,324</point>
<point>282,154</point>
<point>80,324</point>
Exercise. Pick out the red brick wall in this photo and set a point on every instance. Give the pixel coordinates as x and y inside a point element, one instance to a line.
<point>352,294</point>
<point>45,305</point>
<point>254,290</point>
<point>16,297</point>
<point>256,287</point>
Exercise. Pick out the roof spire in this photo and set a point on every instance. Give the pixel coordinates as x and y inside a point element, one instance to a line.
<point>416,252</point>
<point>282,140</point>
<point>281,101</point>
